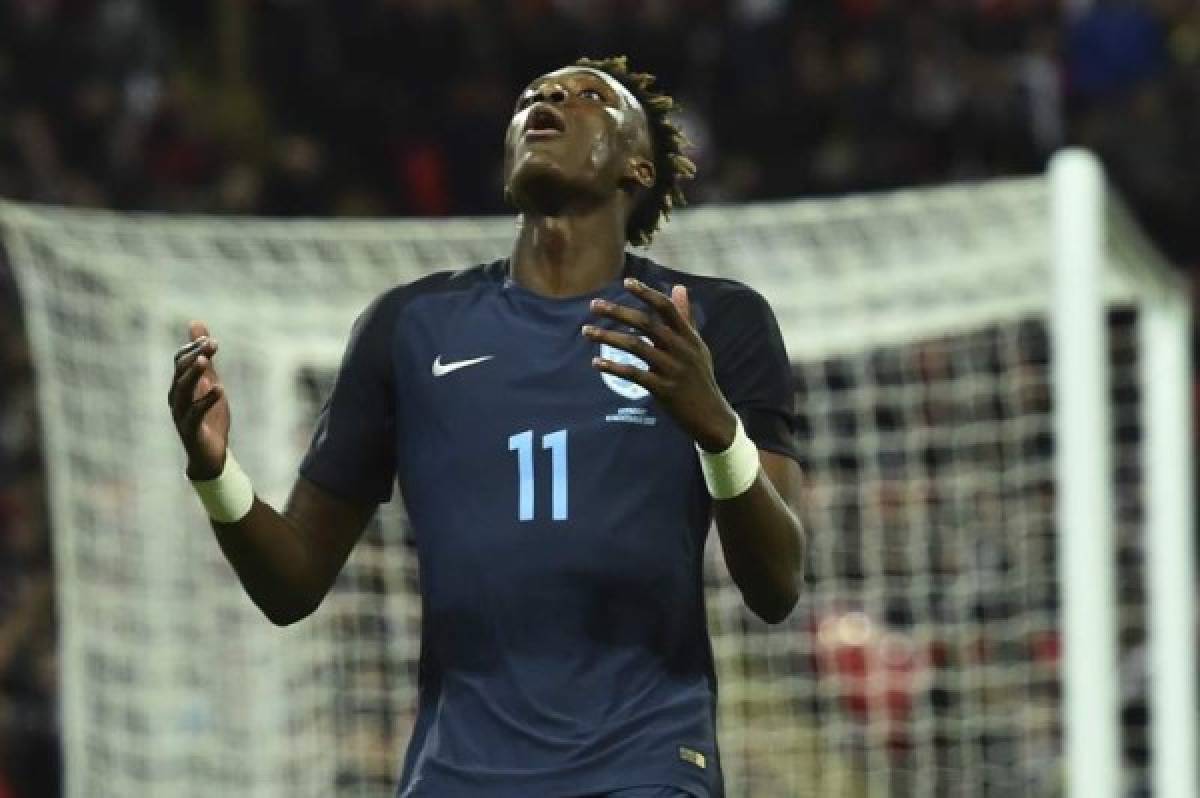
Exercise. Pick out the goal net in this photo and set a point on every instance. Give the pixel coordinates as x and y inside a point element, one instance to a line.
<point>926,654</point>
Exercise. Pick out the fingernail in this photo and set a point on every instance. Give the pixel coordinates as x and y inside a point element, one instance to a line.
<point>587,329</point>
<point>631,283</point>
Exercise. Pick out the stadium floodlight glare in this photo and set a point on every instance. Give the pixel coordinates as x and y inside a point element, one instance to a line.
<point>976,427</point>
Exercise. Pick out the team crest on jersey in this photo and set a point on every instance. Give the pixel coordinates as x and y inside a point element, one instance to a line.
<point>620,385</point>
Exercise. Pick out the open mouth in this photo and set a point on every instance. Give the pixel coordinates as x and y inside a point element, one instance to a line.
<point>544,121</point>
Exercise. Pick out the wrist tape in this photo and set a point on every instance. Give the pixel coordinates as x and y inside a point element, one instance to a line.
<point>229,497</point>
<point>730,473</point>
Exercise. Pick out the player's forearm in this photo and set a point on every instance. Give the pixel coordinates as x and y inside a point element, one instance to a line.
<point>763,542</point>
<point>273,563</point>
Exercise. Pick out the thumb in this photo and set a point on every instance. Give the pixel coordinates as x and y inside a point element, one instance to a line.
<point>197,329</point>
<point>679,298</point>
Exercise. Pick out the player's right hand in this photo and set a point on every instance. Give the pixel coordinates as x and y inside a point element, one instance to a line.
<point>198,405</point>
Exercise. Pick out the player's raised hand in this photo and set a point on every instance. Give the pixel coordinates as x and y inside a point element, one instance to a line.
<point>198,405</point>
<point>680,374</point>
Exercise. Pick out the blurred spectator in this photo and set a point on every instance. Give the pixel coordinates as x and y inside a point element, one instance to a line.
<point>28,727</point>
<point>398,106</point>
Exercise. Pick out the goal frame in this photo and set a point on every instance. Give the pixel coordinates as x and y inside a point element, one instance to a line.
<point>1082,210</point>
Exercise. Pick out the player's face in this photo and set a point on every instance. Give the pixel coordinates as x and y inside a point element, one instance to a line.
<point>577,132</point>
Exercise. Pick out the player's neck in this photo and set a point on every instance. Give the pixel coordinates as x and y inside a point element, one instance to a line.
<point>568,255</point>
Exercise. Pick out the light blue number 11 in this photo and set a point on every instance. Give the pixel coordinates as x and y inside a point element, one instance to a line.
<point>522,444</point>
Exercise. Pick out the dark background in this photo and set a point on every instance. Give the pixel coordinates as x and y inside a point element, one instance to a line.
<point>397,107</point>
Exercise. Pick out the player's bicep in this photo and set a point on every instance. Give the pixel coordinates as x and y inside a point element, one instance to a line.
<point>754,372</point>
<point>330,524</point>
<point>353,450</point>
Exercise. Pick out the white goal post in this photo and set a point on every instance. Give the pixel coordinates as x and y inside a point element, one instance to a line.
<point>1098,259</point>
<point>992,406</point>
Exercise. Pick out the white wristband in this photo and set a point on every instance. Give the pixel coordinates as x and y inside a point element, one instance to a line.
<point>229,497</point>
<point>730,473</point>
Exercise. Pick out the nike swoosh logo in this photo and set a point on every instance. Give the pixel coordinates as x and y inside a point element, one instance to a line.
<point>441,369</point>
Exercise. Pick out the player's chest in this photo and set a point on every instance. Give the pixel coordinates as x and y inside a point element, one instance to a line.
<point>511,421</point>
<point>522,415</point>
<point>510,371</point>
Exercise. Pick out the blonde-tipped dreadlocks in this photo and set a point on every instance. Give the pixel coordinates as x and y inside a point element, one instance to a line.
<point>671,166</point>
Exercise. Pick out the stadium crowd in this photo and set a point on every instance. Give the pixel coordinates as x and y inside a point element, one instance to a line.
<point>397,107</point>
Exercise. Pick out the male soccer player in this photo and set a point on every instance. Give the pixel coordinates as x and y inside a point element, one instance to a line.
<point>564,424</point>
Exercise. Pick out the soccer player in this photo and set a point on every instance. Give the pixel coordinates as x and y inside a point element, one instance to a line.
<point>564,424</point>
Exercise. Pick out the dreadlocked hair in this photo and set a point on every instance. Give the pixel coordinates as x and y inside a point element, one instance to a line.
<point>671,166</point>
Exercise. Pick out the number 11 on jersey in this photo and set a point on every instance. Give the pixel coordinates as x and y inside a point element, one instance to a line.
<point>522,444</point>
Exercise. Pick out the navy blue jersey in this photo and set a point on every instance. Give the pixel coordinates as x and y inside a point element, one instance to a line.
<point>560,518</point>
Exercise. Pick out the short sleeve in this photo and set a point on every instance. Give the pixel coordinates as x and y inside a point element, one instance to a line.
<point>753,369</point>
<point>352,453</point>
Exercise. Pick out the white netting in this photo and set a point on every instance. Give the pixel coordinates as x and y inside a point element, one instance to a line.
<point>921,661</point>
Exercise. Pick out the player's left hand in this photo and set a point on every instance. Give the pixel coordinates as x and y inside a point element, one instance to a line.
<point>680,374</point>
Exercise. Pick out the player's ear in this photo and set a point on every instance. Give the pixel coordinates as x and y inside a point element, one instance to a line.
<point>640,170</point>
